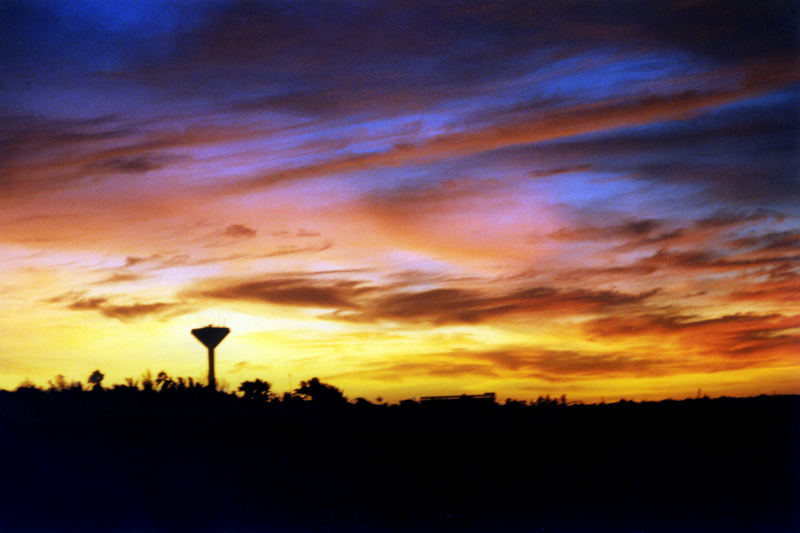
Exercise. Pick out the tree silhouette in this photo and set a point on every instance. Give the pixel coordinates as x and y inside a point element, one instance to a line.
<point>256,390</point>
<point>96,380</point>
<point>546,401</point>
<point>362,402</point>
<point>321,393</point>
<point>164,382</point>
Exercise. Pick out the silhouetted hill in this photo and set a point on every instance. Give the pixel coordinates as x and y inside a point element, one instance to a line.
<point>190,460</point>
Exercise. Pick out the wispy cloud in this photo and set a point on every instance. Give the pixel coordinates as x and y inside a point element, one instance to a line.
<point>536,128</point>
<point>78,301</point>
<point>119,277</point>
<point>540,364</point>
<point>359,301</point>
<point>291,291</point>
<point>137,164</point>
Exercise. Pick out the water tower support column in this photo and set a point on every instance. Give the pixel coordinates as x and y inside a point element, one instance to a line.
<point>212,382</point>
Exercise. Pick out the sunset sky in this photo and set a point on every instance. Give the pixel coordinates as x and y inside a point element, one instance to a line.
<point>592,198</point>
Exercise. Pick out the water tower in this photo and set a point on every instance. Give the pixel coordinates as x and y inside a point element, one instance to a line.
<point>211,336</point>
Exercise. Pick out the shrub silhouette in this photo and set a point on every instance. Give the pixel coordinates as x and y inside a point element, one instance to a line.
<point>27,385</point>
<point>147,381</point>
<point>60,384</point>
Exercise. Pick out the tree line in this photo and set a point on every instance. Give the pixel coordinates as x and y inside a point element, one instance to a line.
<point>255,391</point>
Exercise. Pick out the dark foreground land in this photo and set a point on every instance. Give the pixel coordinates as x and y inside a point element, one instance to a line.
<point>91,461</point>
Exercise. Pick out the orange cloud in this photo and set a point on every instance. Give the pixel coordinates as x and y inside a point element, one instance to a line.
<point>743,335</point>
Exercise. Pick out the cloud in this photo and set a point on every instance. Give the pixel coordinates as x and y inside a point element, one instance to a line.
<point>156,261</point>
<point>306,233</point>
<point>707,242</point>
<point>377,60</point>
<point>547,125</point>
<point>711,260</point>
<point>727,240</point>
<point>133,260</point>
<point>88,304</point>
<point>358,301</point>
<point>77,301</point>
<point>119,277</point>
<point>756,348</point>
<point>711,153</point>
<point>448,305</point>
<point>632,228</point>
<point>295,249</point>
<point>781,287</point>
<point>442,368</point>
<point>239,231</point>
<point>45,156</point>
<point>287,291</point>
<point>69,296</point>
<point>531,362</point>
<point>430,198</point>
<point>558,364</point>
<point>551,172</point>
<point>247,366</point>
<point>413,53</point>
<point>138,310</point>
<point>735,335</point>
<point>727,218</point>
<point>172,259</point>
<point>784,241</point>
<point>138,164</point>
<point>22,133</point>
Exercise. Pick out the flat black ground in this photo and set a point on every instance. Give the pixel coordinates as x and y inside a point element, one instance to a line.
<point>98,462</point>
